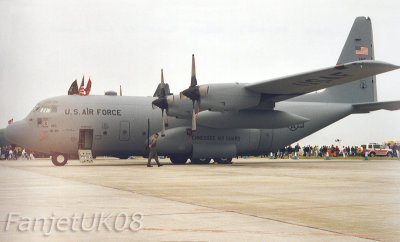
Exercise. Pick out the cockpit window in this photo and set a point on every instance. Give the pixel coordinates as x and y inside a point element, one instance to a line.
<point>45,108</point>
<point>36,108</point>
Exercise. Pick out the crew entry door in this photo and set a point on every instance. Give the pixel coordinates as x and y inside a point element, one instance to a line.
<point>85,139</point>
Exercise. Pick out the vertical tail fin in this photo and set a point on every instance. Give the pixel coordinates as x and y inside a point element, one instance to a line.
<point>359,46</point>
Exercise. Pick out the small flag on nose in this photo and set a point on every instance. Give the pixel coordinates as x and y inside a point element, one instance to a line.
<point>10,121</point>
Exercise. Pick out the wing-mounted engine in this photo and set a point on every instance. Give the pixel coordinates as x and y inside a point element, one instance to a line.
<point>216,97</point>
<point>219,98</point>
<point>230,105</point>
<point>229,97</point>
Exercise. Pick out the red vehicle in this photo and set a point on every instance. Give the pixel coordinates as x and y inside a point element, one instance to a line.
<point>375,149</point>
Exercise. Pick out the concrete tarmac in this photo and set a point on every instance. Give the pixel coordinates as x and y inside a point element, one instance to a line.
<point>250,200</point>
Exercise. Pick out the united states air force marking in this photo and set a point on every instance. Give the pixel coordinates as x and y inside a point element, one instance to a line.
<point>89,111</point>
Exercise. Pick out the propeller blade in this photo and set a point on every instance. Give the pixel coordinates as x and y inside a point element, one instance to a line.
<point>162,85</point>
<point>163,124</point>
<point>193,78</point>
<point>198,109</point>
<point>120,90</point>
<point>194,119</point>
<point>162,78</point>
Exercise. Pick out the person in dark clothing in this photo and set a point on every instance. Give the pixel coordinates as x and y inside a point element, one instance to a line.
<point>290,151</point>
<point>153,151</point>
<point>282,152</point>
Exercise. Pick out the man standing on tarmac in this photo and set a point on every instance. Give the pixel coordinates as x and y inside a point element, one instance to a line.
<point>153,151</point>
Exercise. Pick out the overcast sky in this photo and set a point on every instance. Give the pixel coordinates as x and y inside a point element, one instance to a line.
<point>45,45</point>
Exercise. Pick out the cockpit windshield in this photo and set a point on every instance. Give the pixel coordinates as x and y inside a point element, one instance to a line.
<point>45,108</point>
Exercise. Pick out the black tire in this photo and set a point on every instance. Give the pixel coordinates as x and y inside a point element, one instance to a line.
<point>223,160</point>
<point>59,159</point>
<point>202,161</point>
<point>178,159</point>
<point>372,154</point>
<point>389,154</point>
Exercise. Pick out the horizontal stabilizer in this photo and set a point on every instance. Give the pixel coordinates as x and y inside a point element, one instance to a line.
<point>369,107</point>
<point>315,80</point>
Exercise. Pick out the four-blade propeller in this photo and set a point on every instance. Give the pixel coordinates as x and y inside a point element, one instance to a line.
<point>161,102</point>
<point>194,92</point>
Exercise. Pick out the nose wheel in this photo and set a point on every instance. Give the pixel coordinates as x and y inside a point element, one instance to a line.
<point>59,159</point>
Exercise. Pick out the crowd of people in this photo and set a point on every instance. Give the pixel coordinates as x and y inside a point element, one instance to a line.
<point>323,151</point>
<point>13,153</point>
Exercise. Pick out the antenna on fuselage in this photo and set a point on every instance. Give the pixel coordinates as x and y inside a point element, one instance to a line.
<point>120,90</point>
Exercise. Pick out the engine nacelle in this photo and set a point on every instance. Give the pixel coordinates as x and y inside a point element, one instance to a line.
<point>175,141</point>
<point>215,97</point>
<point>229,97</point>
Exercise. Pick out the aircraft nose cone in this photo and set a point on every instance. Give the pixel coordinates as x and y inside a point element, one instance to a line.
<point>14,133</point>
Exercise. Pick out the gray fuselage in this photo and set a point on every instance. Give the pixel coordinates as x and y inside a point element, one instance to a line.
<point>120,126</point>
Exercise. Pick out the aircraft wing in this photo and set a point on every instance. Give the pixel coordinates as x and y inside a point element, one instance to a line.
<point>369,107</point>
<point>295,85</point>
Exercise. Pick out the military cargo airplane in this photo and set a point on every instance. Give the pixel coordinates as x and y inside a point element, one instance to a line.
<point>210,121</point>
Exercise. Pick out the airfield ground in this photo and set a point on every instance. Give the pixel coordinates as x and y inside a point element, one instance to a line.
<point>250,200</point>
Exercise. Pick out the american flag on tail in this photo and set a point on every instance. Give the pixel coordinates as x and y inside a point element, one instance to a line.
<point>362,50</point>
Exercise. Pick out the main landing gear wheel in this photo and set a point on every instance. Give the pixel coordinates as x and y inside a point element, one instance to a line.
<point>59,159</point>
<point>178,159</point>
<point>223,160</point>
<point>200,161</point>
